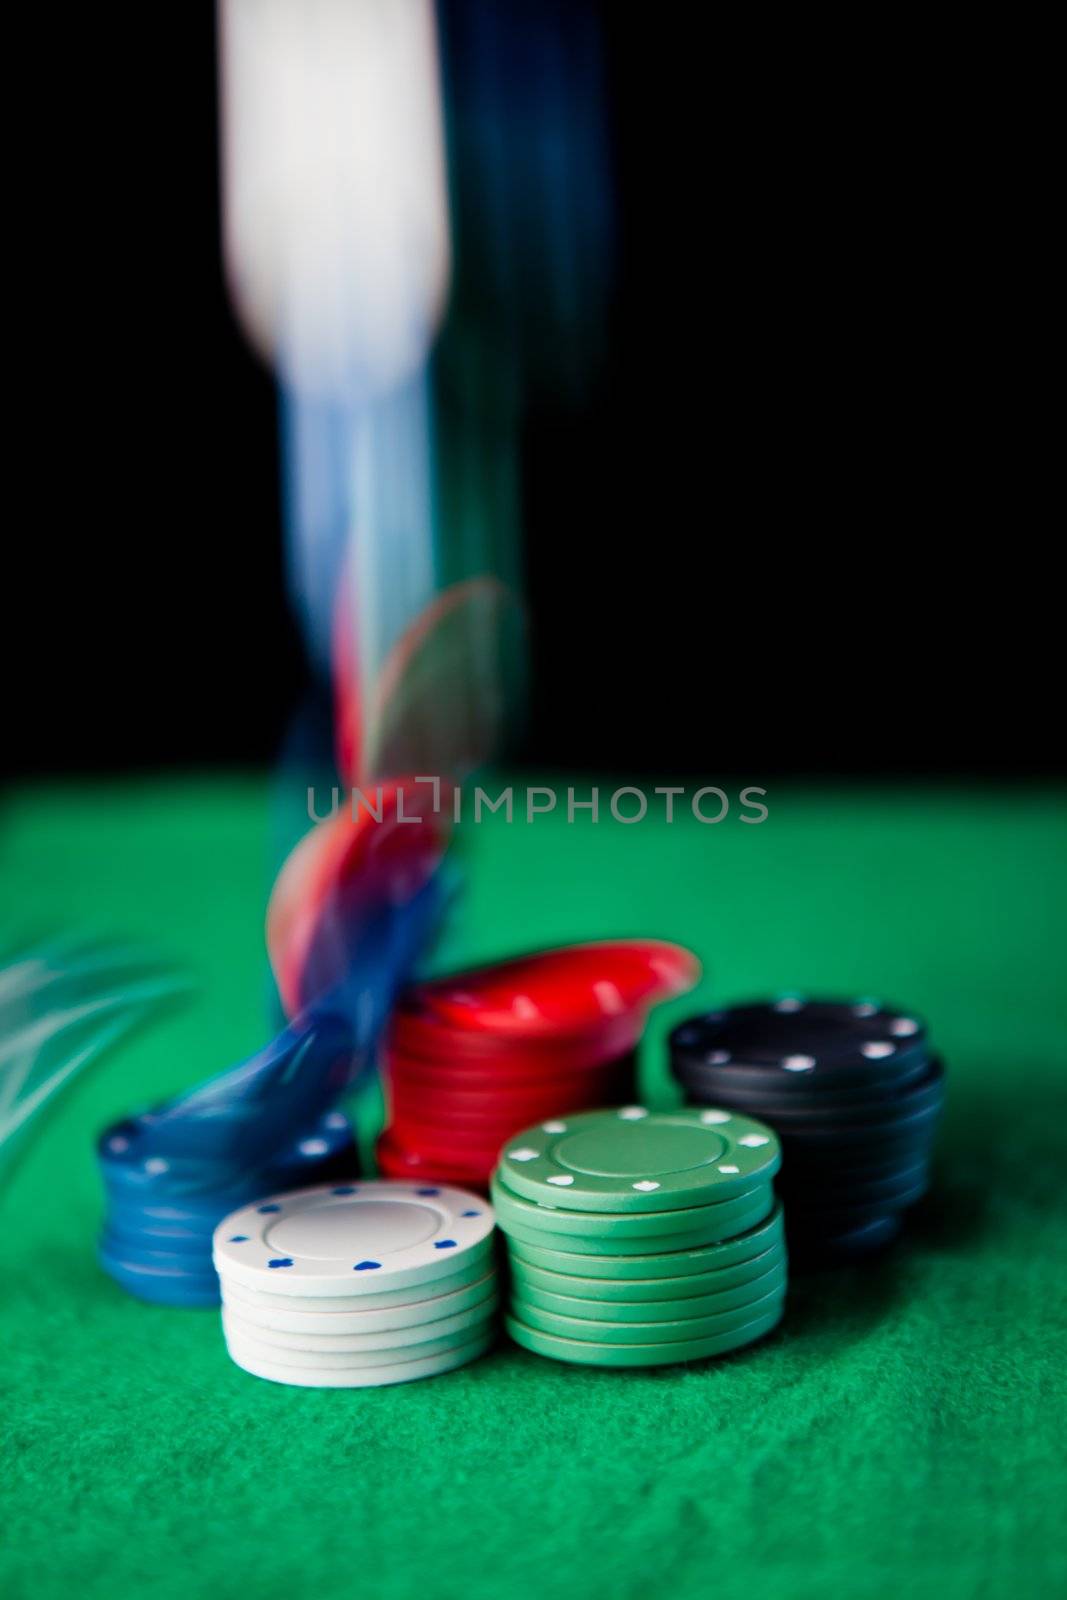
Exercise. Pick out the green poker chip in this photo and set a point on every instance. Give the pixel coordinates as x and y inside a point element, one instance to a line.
<point>668,1353</point>
<point>635,1160</point>
<point>602,1259</point>
<point>712,1231</point>
<point>667,1310</point>
<point>600,1331</point>
<point>690,1286</point>
<point>510,1207</point>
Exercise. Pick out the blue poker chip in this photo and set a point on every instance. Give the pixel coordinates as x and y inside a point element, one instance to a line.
<point>160,1285</point>
<point>122,1235</point>
<point>156,1240</point>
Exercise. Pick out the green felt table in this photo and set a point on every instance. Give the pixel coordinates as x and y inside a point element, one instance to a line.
<point>903,1431</point>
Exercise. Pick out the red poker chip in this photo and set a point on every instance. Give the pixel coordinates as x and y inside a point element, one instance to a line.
<point>417,1033</point>
<point>533,1105</point>
<point>504,1094</point>
<point>503,1075</point>
<point>397,1161</point>
<point>446,1143</point>
<point>566,991</point>
<point>345,868</point>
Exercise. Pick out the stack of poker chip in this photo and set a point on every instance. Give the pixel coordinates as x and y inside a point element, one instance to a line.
<point>473,1057</point>
<point>853,1091</point>
<point>354,1286</point>
<point>161,1211</point>
<point>455,1094</point>
<point>639,1238</point>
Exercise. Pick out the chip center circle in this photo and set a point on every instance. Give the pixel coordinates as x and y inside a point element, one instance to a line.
<point>638,1149</point>
<point>356,1228</point>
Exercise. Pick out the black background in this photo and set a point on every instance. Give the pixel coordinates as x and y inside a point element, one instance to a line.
<point>794,528</point>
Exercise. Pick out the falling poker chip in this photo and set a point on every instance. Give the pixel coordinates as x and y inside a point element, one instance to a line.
<point>635,1160</point>
<point>363,1238</point>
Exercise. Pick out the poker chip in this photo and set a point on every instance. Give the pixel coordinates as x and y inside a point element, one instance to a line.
<point>472,1058</point>
<point>405,1311</point>
<point>360,1377</point>
<point>602,1331</point>
<point>356,1284</point>
<point>718,1301</point>
<point>719,1219</point>
<point>689,1263</point>
<point>855,1093</point>
<point>628,1230</point>
<point>668,1352</point>
<point>714,1231</point>
<point>161,1212</point>
<point>636,1160</point>
<point>792,1037</point>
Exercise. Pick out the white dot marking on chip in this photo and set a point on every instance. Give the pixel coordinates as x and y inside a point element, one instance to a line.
<point>729,1169</point>
<point>877,1050</point>
<point>554,1127</point>
<point>714,1116</point>
<point>608,998</point>
<point>156,1164</point>
<point>633,1113</point>
<point>903,1027</point>
<point>789,1002</point>
<point>645,1186</point>
<point>118,1144</point>
<point>799,1063</point>
<point>754,1140</point>
<point>523,1154</point>
<point>313,1147</point>
<point>561,1181</point>
<point>719,1058</point>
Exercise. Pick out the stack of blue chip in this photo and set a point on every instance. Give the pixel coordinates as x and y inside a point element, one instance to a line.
<point>156,1240</point>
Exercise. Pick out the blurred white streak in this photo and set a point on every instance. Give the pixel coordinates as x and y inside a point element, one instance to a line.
<point>334,198</point>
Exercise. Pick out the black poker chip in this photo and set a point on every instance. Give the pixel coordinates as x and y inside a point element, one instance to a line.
<point>923,1095</point>
<point>824,1246</point>
<point>835,1041</point>
<point>853,1090</point>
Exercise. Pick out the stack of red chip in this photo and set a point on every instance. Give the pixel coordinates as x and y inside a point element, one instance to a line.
<point>473,1058</point>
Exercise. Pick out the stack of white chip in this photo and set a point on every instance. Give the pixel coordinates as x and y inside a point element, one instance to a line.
<point>357,1285</point>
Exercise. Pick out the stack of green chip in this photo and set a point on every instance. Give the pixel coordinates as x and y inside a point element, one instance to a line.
<point>640,1238</point>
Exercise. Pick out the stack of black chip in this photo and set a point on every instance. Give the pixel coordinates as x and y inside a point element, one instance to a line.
<point>853,1092</point>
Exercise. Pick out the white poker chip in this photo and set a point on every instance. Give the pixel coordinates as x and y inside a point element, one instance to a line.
<point>366,1377</point>
<point>353,1238</point>
<point>476,1265</point>
<point>243,1348</point>
<point>333,1324</point>
<point>351,1344</point>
